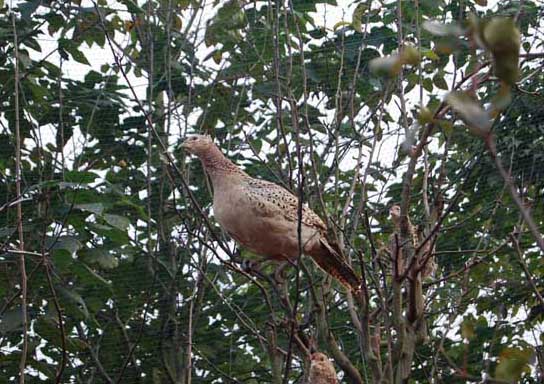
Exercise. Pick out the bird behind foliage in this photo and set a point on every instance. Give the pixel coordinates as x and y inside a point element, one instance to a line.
<point>321,370</point>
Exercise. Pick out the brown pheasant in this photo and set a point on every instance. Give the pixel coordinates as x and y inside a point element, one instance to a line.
<point>263,216</point>
<point>417,238</point>
<point>321,370</point>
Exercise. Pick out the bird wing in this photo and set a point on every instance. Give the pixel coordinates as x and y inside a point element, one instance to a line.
<point>270,199</point>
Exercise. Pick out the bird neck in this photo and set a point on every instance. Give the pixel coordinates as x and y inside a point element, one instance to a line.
<point>217,165</point>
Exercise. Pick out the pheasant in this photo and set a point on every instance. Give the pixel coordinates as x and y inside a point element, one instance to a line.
<point>263,216</point>
<point>417,238</point>
<point>321,370</point>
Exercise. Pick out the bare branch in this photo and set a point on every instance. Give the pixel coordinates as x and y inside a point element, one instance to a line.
<point>24,348</point>
<point>525,214</point>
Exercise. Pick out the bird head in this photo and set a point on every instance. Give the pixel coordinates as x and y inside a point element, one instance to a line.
<point>319,357</point>
<point>394,211</point>
<point>198,144</point>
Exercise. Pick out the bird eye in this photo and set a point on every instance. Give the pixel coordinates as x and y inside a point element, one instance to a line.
<point>193,138</point>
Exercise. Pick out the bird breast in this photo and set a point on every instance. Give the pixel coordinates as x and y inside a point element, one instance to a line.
<point>263,231</point>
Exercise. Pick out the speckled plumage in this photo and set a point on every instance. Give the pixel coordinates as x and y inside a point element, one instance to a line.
<point>263,216</point>
<point>321,370</point>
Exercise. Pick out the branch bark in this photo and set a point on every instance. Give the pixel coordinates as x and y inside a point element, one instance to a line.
<point>24,348</point>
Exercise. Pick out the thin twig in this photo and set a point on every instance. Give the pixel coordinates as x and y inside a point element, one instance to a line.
<point>300,187</point>
<point>168,157</point>
<point>525,268</point>
<point>94,354</point>
<point>140,331</point>
<point>64,357</point>
<point>492,148</point>
<point>24,348</point>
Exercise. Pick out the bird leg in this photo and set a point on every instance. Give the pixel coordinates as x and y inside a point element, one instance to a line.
<point>279,275</point>
<point>237,256</point>
<point>250,266</point>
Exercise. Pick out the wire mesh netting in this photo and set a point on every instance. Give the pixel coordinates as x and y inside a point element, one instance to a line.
<point>414,130</point>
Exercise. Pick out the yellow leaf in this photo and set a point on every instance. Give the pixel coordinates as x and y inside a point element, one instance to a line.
<point>357,18</point>
<point>217,56</point>
<point>467,329</point>
<point>410,55</point>
<point>425,116</point>
<point>503,98</point>
<point>513,362</point>
<point>340,24</point>
<point>430,54</point>
<point>503,39</point>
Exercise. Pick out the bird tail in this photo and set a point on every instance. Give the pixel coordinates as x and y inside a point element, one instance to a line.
<point>332,262</point>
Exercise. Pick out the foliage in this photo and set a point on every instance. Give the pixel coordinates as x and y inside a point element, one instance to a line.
<point>130,279</point>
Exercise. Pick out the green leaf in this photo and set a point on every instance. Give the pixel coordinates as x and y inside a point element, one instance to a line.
<point>93,274</point>
<point>439,81</point>
<point>68,243</point>
<point>117,221</point>
<point>387,66</point>
<point>75,298</point>
<point>425,116</point>
<point>96,208</point>
<point>100,256</point>
<point>55,23</point>
<point>11,320</point>
<point>446,126</point>
<point>477,119</point>
<point>427,84</point>
<point>257,145</point>
<point>80,177</point>
<point>28,7</point>
<point>72,49</point>
<point>62,259</point>
<point>132,7</point>
<point>439,29</point>
<point>430,54</point>
<point>357,17</point>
